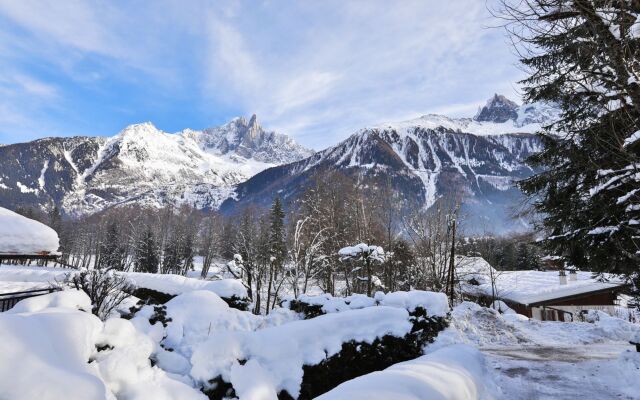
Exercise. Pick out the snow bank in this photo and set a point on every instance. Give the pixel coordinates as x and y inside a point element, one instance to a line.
<point>197,315</point>
<point>23,273</point>
<point>626,370</point>
<point>282,351</point>
<point>45,354</point>
<point>481,326</point>
<point>612,327</point>
<point>70,299</point>
<point>252,382</point>
<point>456,372</point>
<point>436,304</point>
<point>126,368</point>
<point>50,351</point>
<point>21,235</point>
<point>177,284</point>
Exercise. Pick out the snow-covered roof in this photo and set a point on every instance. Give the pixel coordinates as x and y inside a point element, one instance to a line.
<point>21,235</point>
<point>531,287</point>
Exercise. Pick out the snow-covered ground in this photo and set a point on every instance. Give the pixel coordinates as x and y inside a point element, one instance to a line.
<point>53,348</point>
<point>531,359</point>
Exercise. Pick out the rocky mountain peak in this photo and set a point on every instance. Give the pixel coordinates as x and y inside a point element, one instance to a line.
<point>252,131</point>
<point>498,109</point>
<point>137,129</point>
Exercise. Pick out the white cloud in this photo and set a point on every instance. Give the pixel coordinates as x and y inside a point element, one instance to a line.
<point>14,83</point>
<point>316,70</point>
<point>309,67</point>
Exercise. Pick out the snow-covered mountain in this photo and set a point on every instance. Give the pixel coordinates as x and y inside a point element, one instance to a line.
<point>141,164</point>
<point>426,158</point>
<point>240,164</point>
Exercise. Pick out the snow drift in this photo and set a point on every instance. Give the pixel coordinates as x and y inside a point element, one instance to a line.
<point>52,350</point>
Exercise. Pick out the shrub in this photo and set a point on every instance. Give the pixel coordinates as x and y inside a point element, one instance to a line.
<point>360,358</point>
<point>106,289</point>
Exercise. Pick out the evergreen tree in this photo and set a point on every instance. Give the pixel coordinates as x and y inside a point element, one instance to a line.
<point>111,249</point>
<point>147,257</point>
<point>584,56</point>
<point>506,256</point>
<point>187,251</point>
<point>55,219</point>
<point>400,265</point>
<point>171,261</point>
<point>277,245</point>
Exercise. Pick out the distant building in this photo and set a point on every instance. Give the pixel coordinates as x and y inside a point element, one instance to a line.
<point>543,295</point>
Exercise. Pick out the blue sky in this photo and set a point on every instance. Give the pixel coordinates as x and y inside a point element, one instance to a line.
<point>315,70</point>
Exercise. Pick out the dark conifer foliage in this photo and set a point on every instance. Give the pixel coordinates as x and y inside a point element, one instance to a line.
<point>584,56</point>
<point>147,255</point>
<point>278,247</point>
<point>112,251</point>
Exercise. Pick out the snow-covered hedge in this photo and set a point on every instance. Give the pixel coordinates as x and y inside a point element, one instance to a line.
<point>453,373</point>
<point>312,306</point>
<point>160,288</point>
<point>303,359</point>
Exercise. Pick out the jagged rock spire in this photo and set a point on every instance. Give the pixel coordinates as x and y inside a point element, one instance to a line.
<point>498,109</point>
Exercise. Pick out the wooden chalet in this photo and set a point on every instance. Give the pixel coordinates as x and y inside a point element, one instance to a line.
<point>543,295</point>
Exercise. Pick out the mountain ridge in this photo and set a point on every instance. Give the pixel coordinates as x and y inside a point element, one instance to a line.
<point>240,164</point>
<point>426,158</point>
<point>140,164</point>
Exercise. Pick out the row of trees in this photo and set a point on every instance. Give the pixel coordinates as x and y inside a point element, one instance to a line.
<point>274,251</point>
<point>297,250</point>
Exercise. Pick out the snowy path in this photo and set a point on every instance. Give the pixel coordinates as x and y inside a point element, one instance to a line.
<point>550,372</point>
<point>535,360</point>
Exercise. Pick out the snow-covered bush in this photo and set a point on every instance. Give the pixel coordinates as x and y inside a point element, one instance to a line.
<point>160,288</point>
<point>106,289</point>
<point>359,358</point>
<point>303,359</point>
<point>313,306</point>
<point>456,372</point>
<point>150,296</point>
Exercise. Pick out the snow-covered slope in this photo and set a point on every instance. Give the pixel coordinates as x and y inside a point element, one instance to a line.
<point>141,165</point>
<point>427,158</point>
<point>475,160</point>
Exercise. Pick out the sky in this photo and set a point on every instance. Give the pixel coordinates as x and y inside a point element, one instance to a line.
<point>314,70</point>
